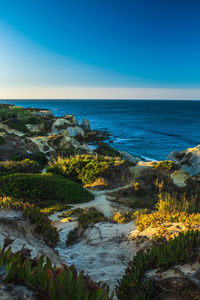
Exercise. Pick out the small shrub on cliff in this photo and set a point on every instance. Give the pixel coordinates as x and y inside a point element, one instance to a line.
<point>19,113</point>
<point>106,150</point>
<point>42,225</point>
<point>25,166</point>
<point>48,281</point>
<point>38,157</point>
<point>43,187</point>
<point>166,165</point>
<point>134,285</point>
<point>83,168</point>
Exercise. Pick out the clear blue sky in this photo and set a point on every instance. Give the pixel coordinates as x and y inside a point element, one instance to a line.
<point>112,43</point>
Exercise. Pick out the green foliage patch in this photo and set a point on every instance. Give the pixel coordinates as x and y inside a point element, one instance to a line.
<point>166,165</point>
<point>25,166</point>
<point>38,157</point>
<point>133,285</point>
<point>43,187</point>
<point>50,282</point>
<point>18,113</point>
<point>84,168</point>
<point>106,150</point>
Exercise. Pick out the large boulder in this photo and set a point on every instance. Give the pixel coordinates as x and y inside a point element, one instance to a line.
<point>188,160</point>
<point>71,119</point>
<point>75,131</point>
<point>60,125</point>
<point>85,125</point>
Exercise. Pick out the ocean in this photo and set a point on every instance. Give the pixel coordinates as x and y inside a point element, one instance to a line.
<point>145,128</point>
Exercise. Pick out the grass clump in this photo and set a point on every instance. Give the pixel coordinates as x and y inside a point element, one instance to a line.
<point>84,169</point>
<point>181,249</point>
<point>48,281</point>
<point>24,166</point>
<point>43,188</point>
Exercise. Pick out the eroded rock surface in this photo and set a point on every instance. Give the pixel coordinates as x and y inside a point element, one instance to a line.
<point>188,160</point>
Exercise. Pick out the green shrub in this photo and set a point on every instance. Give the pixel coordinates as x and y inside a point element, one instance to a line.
<point>74,236</point>
<point>38,157</point>
<point>43,187</point>
<point>166,165</point>
<point>105,149</point>
<point>25,166</point>
<point>90,216</point>
<point>42,225</point>
<point>133,285</point>
<point>19,113</point>
<point>49,281</point>
<point>2,140</point>
<point>83,168</point>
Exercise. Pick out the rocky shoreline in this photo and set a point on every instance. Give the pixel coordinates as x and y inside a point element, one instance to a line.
<point>125,189</point>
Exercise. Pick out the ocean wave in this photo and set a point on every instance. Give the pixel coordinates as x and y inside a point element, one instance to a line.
<point>147,158</point>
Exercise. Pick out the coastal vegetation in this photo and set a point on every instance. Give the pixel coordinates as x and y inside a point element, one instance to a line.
<point>47,280</point>
<point>24,166</point>
<point>181,249</point>
<point>17,113</point>
<point>86,169</point>
<point>42,188</point>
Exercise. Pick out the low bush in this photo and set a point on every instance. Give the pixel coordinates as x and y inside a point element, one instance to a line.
<point>42,225</point>
<point>74,236</point>
<point>90,216</point>
<point>19,113</point>
<point>127,216</point>
<point>106,150</point>
<point>37,217</point>
<point>134,285</point>
<point>166,165</point>
<point>38,157</point>
<point>155,219</point>
<point>2,140</point>
<point>83,168</point>
<point>48,281</point>
<point>43,188</point>
<point>25,166</point>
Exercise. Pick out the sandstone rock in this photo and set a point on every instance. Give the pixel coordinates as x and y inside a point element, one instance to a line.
<point>179,178</point>
<point>129,157</point>
<point>32,127</point>
<point>85,125</point>
<point>75,131</point>
<point>188,160</point>
<point>71,119</point>
<point>60,125</point>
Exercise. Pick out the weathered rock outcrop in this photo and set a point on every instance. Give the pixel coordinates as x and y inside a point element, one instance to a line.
<point>12,224</point>
<point>51,135</point>
<point>188,160</point>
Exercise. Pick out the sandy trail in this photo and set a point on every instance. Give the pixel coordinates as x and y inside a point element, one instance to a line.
<point>105,248</point>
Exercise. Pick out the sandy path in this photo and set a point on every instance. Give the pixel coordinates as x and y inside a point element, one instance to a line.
<point>105,249</point>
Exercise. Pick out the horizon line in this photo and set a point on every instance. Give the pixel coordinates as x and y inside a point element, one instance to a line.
<point>96,93</point>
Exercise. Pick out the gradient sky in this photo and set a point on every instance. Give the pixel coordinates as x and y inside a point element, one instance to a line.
<point>135,49</point>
